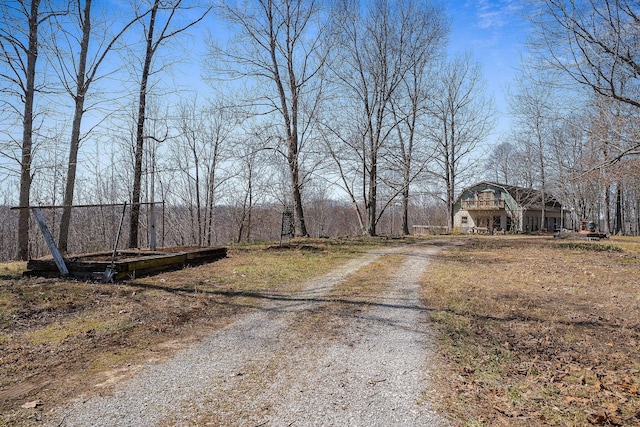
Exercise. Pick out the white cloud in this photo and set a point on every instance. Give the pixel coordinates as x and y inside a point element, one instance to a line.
<point>495,14</point>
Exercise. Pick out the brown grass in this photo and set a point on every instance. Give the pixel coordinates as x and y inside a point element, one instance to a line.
<point>60,338</point>
<point>532,331</point>
<point>537,332</point>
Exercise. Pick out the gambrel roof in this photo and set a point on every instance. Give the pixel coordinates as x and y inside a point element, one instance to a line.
<point>527,198</point>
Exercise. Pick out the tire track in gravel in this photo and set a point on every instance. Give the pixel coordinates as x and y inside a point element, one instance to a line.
<point>302,360</point>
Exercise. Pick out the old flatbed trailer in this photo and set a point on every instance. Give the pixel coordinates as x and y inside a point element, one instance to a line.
<point>127,263</point>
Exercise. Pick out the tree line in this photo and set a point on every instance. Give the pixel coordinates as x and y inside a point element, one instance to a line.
<point>575,107</point>
<point>336,110</point>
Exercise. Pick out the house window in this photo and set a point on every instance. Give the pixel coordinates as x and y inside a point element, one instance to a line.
<point>465,220</point>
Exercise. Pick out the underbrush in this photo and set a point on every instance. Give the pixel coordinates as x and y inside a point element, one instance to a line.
<point>595,247</point>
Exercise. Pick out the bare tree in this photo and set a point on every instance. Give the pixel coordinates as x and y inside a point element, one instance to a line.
<point>191,139</point>
<point>218,127</point>
<point>382,50</point>
<point>607,122</point>
<point>409,105</point>
<point>201,147</point>
<point>501,163</point>
<point>76,75</point>
<point>279,42</point>
<point>595,43</point>
<point>153,41</point>
<point>536,114</point>
<point>253,174</point>
<point>461,117</point>
<point>19,48</point>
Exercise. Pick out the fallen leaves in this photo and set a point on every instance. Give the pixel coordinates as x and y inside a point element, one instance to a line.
<point>31,405</point>
<point>549,338</point>
<point>606,417</point>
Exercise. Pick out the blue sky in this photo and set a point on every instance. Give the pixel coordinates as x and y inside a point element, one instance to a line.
<point>493,31</point>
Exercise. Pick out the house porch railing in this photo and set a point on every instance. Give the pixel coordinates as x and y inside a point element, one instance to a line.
<point>483,204</point>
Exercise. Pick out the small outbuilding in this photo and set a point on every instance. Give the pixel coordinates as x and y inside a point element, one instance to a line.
<point>489,207</point>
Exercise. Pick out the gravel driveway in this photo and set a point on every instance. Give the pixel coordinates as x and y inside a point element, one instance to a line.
<point>305,359</point>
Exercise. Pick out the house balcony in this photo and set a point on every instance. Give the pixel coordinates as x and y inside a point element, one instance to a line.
<point>483,205</point>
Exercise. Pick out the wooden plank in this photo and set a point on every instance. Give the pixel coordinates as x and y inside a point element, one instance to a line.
<point>140,263</point>
<point>49,239</point>
<point>141,267</point>
<point>209,254</point>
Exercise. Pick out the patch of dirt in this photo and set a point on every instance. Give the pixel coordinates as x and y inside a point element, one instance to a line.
<point>288,247</point>
<point>19,390</point>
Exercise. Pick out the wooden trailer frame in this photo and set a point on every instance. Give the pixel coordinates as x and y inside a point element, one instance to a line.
<point>129,264</point>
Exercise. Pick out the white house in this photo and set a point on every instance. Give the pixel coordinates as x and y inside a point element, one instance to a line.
<point>490,207</point>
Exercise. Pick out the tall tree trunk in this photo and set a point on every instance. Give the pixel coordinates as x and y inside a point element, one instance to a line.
<point>406,171</point>
<point>27,132</point>
<point>607,209</point>
<point>618,226</point>
<point>450,203</point>
<point>210,201</point>
<point>289,110</point>
<point>372,197</point>
<point>451,167</point>
<point>543,178</point>
<point>137,171</point>
<point>405,210</point>
<point>74,146</point>
<point>301,226</point>
<point>151,47</point>
<point>211,191</point>
<point>199,224</point>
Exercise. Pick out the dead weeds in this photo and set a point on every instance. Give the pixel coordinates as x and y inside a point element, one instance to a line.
<point>535,333</point>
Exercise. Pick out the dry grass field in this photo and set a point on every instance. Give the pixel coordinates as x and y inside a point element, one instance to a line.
<point>532,331</point>
<point>538,331</point>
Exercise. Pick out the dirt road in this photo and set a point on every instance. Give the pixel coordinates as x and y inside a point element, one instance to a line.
<point>313,358</point>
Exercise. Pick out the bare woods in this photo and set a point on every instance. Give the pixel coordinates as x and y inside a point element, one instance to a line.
<point>357,117</point>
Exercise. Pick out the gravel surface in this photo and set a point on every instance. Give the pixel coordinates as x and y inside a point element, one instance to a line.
<point>302,360</point>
